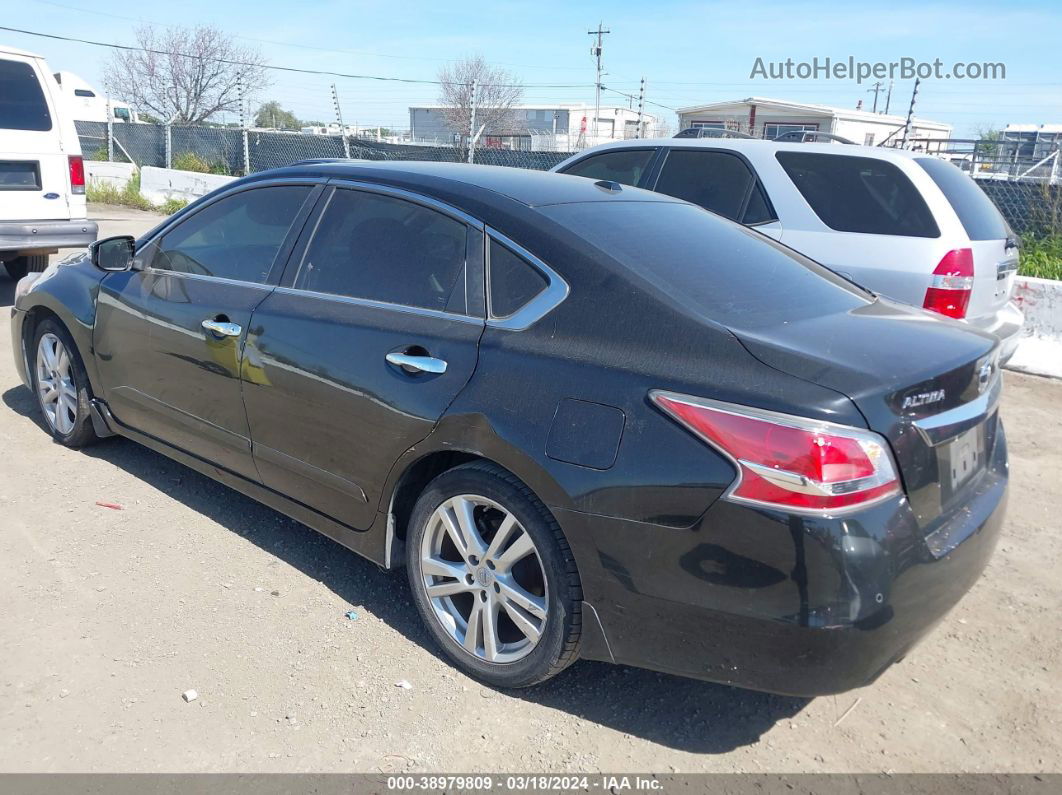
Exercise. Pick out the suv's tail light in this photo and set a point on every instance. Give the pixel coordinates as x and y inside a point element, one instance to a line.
<point>788,462</point>
<point>949,291</point>
<point>77,174</point>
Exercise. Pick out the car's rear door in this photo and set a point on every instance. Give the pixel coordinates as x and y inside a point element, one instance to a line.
<point>34,169</point>
<point>372,333</point>
<point>169,336</point>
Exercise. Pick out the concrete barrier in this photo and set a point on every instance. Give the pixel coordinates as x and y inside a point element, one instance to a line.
<point>159,184</point>
<point>1040,350</point>
<point>100,172</point>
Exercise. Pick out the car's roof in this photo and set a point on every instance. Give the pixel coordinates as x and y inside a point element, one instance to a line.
<point>748,145</point>
<point>527,186</point>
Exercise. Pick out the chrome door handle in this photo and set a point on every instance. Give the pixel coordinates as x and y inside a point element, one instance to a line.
<point>222,329</point>
<point>420,364</point>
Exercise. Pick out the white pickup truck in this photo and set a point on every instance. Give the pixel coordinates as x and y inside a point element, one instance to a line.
<point>42,174</point>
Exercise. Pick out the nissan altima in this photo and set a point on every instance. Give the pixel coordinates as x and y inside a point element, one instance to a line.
<point>590,421</point>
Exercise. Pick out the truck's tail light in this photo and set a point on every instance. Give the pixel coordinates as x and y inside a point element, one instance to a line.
<point>788,462</point>
<point>951,285</point>
<point>77,174</point>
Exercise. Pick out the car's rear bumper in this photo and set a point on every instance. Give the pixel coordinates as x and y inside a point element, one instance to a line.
<point>1005,325</point>
<point>801,606</point>
<point>29,236</point>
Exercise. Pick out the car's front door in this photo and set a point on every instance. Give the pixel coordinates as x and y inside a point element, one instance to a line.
<point>354,358</point>
<point>169,335</point>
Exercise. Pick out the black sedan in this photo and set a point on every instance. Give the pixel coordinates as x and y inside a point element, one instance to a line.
<point>591,421</point>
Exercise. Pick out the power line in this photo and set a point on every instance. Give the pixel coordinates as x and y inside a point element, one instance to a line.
<point>295,69</point>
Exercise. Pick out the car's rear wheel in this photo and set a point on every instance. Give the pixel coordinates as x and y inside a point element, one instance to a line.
<point>61,385</point>
<point>493,577</point>
<point>20,266</point>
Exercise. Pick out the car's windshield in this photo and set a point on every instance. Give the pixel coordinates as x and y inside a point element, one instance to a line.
<point>720,270</point>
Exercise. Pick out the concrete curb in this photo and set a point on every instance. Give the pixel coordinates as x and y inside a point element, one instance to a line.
<point>159,184</point>
<point>1040,349</point>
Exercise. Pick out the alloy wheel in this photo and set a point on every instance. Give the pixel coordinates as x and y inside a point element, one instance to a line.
<point>484,579</point>
<point>55,384</point>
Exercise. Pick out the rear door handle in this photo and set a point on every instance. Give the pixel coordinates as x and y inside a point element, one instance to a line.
<point>417,364</point>
<point>222,328</point>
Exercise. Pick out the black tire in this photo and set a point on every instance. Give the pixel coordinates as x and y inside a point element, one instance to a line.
<point>20,266</point>
<point>558,646</point>
<point>82,433</point>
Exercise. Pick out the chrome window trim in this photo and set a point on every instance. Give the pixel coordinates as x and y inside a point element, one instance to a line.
<point>368,302</point>
<point>204,278</point>
<point>538,307</point>
<point>408,195</point>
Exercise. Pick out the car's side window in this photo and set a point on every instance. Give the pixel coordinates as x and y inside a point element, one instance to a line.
<point>382,248</point>
<point>236,237</point>
<point>717,181</point>
<point>513,281</point>
<point>625,166</point>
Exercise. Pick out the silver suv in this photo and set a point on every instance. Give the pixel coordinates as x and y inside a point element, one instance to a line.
<point>909,226</point>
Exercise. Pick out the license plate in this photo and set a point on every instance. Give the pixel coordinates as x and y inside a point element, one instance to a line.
<point>965,456</point>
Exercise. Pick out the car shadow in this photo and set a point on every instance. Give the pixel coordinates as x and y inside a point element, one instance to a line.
<point>684,714</point>
<point>7,289</point>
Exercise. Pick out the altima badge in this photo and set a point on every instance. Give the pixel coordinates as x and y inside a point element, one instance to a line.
<point>923,399</point>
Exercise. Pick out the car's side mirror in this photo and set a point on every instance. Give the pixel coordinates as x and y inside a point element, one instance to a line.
<point>113,253</point>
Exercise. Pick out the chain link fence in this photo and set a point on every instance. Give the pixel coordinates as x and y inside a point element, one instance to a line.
<point>1031,208</point>
<point>230,150</point>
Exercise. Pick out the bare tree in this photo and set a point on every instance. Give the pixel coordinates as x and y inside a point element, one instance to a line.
<point>497,91</point>
<point>185,75</point>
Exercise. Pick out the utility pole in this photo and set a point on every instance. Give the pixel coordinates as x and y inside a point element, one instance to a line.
<point>339,118</point>
<point>641,107</point>
<point>888,99</point>
<point>910,115</point>
<point>876,88</point>
<point>243,126</point>
<point>472,123</point>
<point>595,50</point>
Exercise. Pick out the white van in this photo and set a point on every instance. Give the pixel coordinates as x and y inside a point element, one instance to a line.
<point>42,175</point>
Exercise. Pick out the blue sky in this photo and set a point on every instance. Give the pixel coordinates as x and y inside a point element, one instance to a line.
<point>689,52</point>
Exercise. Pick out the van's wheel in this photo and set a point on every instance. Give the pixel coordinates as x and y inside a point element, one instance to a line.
<point>61,385</point>
<point>493,577</point>
<point>20,266</point>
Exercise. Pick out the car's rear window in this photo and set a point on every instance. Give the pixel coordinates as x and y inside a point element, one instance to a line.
<point>713,267</point>
<point>979,217</point>
<point>22,103</point>
<point>859,194</point>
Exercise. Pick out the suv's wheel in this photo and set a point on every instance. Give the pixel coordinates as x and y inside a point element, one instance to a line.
<point>20,266</point>
<point>493,577</point>
<point>61,385</point>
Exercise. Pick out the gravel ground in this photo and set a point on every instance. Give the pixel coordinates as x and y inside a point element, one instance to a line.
<point>110,615</point>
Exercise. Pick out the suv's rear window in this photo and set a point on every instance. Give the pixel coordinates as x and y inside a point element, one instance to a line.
<point>979,216</point>
<point>22,103</point>
<point>713,268</point>
<point>859,194</point>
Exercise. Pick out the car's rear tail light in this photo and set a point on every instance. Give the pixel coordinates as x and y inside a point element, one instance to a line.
<point>949,291</point>
<point>788,462</point>
<point>77,174</point>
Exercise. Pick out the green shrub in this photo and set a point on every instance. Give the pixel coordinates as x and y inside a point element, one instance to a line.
<point>190,161</point>
<point>1041,256</point>
<point>170,206</point>
<point>127,196</point>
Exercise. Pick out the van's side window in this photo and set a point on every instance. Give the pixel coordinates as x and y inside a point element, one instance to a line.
<point>22,103</point>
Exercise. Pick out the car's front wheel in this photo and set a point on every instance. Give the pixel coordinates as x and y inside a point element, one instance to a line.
<point>61,385</point>
<point>493,577</point>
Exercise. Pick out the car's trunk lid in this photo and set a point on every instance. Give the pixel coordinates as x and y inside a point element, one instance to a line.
<point>929,386</point>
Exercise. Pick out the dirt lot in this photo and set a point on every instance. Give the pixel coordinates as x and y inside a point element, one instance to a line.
<point>111,614</point>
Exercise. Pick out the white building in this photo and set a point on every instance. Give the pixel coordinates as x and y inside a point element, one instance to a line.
<point>769,118</point>
<point>559,127</point>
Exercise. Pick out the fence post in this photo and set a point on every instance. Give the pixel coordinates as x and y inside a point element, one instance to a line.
<point>243,128</point>
<point>339,118</point>
<point>472,125</point>
<point>110,132</point>
<point>169,147</point>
